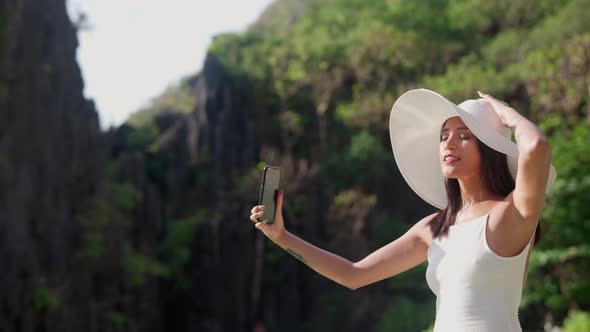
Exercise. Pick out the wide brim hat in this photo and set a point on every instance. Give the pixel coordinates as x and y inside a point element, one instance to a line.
<point>415,124</point>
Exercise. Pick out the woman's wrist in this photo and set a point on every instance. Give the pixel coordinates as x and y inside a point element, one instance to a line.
<point>514,121</point>
<point>280,237</point>
<point>509,117</point>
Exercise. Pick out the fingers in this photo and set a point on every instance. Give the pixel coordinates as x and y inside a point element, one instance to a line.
<point>257,208</point>
<point>280,201</point>
<point>492,99</point>
<point>255,216</point>
<point>486,96</point>
<point>256,213</point>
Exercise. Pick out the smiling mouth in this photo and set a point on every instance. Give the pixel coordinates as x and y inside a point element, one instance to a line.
<point>450,160</point>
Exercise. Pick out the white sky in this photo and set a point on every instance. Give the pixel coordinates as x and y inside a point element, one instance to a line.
<point>136,48</point>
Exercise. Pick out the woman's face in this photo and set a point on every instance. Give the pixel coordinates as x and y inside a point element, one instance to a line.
<point>458,151</point>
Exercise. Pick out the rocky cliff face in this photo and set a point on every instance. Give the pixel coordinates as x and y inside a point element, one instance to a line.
<point>53,184</point>
<point>199,156</point>
<point>51,161</point>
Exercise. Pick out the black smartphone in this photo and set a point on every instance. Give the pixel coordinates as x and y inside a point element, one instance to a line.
<point>269,190</point>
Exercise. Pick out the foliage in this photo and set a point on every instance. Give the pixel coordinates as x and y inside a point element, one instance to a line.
<point>178,98</point>
<point>407,314</point>
<point>362,163</point>
<point>44,299</point>
<point>124,196</point>
<point>105,215</point>
<point>557,76</point>
<point>141,137</point>
<point>117,320</point>
<point>176,247</point>
<point>561,263</point>
<point>96,219</point>
<point>461,81</point>
<point>139,267</point>
<point>577,321</point>
<point>566,20</point>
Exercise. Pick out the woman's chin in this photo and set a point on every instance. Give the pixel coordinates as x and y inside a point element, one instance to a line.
<point>450,173</point>
<point>457,173</point>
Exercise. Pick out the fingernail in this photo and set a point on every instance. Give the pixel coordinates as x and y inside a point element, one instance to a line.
<point>261,207</point>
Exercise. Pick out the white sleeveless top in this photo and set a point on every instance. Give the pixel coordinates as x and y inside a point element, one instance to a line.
<point>476,290</point>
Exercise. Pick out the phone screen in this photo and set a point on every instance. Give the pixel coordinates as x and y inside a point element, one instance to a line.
<point>268,192</point>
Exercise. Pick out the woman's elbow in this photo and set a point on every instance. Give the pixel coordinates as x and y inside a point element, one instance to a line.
<point>355,278</point>
<point>353,286</point>
<point>358,277</point>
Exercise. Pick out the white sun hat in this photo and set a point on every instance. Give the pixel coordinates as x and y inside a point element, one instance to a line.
<point>415,123</point>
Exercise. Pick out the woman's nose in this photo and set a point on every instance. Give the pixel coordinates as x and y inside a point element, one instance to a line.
<point>449,143</point>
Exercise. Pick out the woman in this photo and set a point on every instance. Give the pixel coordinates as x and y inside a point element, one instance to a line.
<point>490,192</point>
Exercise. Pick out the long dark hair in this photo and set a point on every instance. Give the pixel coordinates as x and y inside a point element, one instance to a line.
<point>495,177</point>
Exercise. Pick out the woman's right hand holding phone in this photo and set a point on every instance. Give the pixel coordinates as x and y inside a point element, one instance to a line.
<point>275,230</point>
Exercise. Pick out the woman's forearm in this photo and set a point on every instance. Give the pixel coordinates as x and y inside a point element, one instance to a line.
<point>534,160</point>
<point>325,263</point>
<point>527,135</point>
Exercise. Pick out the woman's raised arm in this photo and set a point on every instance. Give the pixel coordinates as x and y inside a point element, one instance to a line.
<point>534,160</point>
<point>400,255</point>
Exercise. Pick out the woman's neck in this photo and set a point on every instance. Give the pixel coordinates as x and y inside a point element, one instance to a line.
<point>473,191</point>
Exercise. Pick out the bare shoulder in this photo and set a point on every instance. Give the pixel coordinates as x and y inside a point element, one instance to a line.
<point>508,231</point>
<point>422,228</point>
<point>507,213</point>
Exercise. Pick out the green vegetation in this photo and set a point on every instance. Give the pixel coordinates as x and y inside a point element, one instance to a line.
<point>326,74</point>
<point>559,266</point>
<point>105,216</point>
<point>45,300</point>
<point>116,320</point>
<point>140,267</point>
<point>407,314</point>
<point>176,247</point>
<point>334,68</point>
<point>577,321</point>
<point>124,195</point>
<point>178,98</point>
<point>96,220</point>
<point>142,137</point>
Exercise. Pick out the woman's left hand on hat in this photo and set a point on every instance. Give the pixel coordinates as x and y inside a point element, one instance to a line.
<point>503,110</point>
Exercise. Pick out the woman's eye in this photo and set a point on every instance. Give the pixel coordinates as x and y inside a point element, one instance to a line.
<point>465,137</point>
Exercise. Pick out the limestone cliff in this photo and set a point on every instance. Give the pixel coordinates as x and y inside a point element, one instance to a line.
<point>52,157</point>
